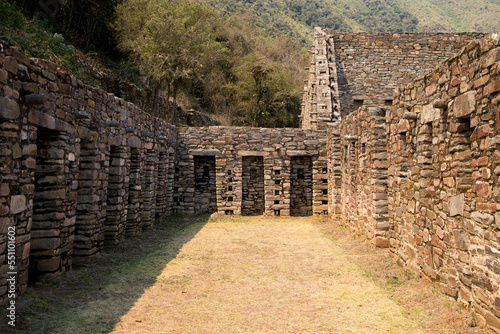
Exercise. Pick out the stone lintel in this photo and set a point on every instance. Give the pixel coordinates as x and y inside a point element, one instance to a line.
<point>299,153</point>
<point>204,153</point>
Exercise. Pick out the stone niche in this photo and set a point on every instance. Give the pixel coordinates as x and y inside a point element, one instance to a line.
<point>301,189</point>
<point>204,184</point>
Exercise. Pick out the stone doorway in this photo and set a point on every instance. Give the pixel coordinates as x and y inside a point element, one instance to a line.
<point>253,203</point>
<point>205,187</point>
<point>301,186</point>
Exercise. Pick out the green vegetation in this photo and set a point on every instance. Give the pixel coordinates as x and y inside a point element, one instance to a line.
<point>240,60</point>
<point>173,43</point>
<point>29,38</point>
<point>296,18</point>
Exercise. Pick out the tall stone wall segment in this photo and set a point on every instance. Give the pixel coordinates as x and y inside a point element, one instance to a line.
<point>68,154</point>
<point>365,68</point>
<point>82,170</point>
<point>421,177</point>
<point>364,164</point>
<point>444,185</point>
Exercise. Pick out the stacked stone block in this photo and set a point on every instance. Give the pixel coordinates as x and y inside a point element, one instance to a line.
<point>253,199</point>
<point>135,194</point>
<point>301,186</point>
<point>320,102</point>
<point>54,205</point>
<point>205,187</point>
<point>89,229</point>
<point>364,69</point>
<point>150,185</point>
<point>334,176</point>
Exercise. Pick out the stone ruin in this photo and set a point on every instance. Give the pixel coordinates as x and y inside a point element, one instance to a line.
<point>399,142</point>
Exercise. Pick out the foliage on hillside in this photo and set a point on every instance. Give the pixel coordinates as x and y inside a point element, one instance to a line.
<point>457,15</point>
<point>31,39</point>
<point>296,18</point>
<point>244,62</point>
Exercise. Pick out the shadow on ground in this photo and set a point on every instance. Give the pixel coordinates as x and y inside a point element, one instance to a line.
<point>93,298</point>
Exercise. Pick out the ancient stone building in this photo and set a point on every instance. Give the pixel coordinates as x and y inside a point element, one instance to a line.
<point>399,142</point>
<point>416,168</point>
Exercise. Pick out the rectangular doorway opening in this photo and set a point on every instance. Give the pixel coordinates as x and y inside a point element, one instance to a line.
<point>253,203</point>
<point>205,196</point>
<point>301,186</point>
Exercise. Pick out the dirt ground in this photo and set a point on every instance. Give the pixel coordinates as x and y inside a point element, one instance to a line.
<point>241,275</point>
<point>257,275</point>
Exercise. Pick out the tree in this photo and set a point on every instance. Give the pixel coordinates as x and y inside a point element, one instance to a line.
<point>173,42</point>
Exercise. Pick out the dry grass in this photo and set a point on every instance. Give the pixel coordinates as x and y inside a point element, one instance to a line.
<point>236,275</point>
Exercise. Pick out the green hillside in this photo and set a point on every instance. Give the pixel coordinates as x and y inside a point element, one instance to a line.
<point>296,18</point>
<point>455,15</point>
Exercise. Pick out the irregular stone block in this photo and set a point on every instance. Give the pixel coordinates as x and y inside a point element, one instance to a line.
<point>457,205</point>
<point>17,204</point>
<point>430,114</point>
<point>464,105</point>
<point>483,218</point>
<point>50,264</point>
<point>9,109</point>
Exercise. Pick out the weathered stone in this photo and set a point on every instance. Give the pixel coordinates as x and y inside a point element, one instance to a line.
<point>490,58</point>
<point>45,243</point>
<point>465,105</point>
<point>48,265</point>
<point>430,114</point>
<point>483,218</point>
<point>9,109</point>
<point>457,205</point>
<point>17,204</point>
<point>11,65</point>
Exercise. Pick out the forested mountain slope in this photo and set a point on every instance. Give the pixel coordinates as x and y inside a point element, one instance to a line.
<point>296,18</point>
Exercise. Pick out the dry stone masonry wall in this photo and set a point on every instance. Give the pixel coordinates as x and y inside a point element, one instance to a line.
<point>82,170</point>
<point>364,163</point>
<point>422,176</point>
<point>253,169</point>
<point>444,190</point>
<point>355,69</point>
<point>68,154</point>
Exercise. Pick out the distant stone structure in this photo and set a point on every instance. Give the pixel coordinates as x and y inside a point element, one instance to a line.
<point>414,167</point>
<point>350,70</point>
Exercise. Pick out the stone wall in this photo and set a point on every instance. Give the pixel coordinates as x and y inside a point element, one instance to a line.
<point>422,177</point>
<point>444,190</point>
<point>79,169</point>
<point>321,99</point>
<point>348,70</point>
<point>242,152</point>
<point>363,173</point>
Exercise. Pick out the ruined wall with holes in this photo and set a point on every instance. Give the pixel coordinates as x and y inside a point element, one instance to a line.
<point>363,174</point>
<point>422,176</point>
<point>444,176</point>
<point>348,70</point>
<point>256,170</point>
<point>80,169</point>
